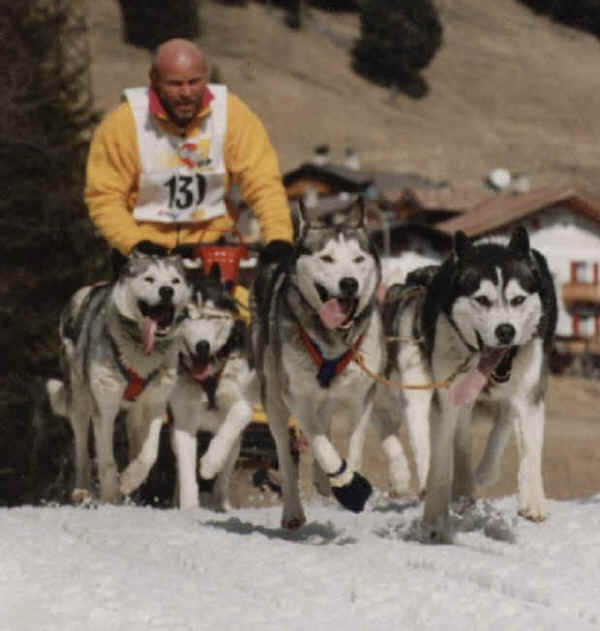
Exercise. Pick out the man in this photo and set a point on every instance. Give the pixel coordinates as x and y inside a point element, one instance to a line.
<point>160,165</point>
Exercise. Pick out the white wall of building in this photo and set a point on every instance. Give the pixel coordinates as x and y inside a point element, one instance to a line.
<point>563,237</point>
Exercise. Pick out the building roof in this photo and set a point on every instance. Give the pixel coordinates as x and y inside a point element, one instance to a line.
<point>507,208</point>
<point>330,204</point>
<point>429,199</point>
<point>352,180</point>
<point>343,178</point>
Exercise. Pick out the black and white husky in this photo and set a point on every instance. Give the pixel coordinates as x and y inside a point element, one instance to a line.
<point>211,391</point>
<point>486,322</point>
<point>309,320</point>
<point>119,351</point>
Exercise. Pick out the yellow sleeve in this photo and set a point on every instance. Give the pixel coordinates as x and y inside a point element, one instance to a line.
<point>253,165</point>
<point>111,179</point>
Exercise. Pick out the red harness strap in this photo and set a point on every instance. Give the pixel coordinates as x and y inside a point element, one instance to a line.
<point>135,383</point>
<point>329,369</point>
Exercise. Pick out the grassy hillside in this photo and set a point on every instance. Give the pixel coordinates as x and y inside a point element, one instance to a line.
<point>509,89</point>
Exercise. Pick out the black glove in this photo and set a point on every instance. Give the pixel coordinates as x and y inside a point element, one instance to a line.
<point>149,248</point>
<point>184,250</point>
<point>278,251</point>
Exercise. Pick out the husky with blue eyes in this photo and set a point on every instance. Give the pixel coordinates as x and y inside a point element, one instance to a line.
<point>485,323</point>
<point>311,320</point>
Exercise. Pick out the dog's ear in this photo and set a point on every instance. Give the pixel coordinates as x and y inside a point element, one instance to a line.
<point>194,273</point>
<point>300,218</point>
<point>462,245</point>
<point>355,213</point>
<point>519,241</point>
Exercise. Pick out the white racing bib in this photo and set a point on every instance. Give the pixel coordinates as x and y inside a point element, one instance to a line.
<point>182,180</point>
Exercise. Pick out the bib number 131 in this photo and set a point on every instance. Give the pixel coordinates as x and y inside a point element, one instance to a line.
<point>186,191</point>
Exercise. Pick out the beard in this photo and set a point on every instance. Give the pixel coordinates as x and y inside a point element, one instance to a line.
<point>180,119</point>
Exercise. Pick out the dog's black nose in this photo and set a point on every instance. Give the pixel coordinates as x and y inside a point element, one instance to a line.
<point>166,293</point>
<point>348,286</point>
<point>203,351</point>
<point>505,333</point>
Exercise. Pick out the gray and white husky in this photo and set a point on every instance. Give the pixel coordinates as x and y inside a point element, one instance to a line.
<point>309,320</point>
<point>211,391</point>
<point>119,351</point>
<point>486,322</point>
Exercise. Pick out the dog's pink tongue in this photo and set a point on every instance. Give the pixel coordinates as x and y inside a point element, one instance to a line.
<point>466,389</point>
<point>149,331</point>
<point>332,314</point>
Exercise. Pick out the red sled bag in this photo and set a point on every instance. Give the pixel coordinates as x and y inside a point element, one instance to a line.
<point>226,255</point>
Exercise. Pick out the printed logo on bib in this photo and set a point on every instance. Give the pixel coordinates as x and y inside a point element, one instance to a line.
<point>186,183</point>
<point>195,154</point>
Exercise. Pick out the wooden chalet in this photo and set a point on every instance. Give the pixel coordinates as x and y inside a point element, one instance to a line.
<point>564,225</point>
<point>325,180</point>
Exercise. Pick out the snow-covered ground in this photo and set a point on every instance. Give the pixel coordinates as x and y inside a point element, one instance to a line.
<point>138,569</point>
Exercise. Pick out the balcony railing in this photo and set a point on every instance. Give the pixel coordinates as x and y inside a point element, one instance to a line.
<point>581,298</point>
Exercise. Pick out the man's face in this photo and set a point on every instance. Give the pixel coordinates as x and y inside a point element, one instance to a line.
<point>180,85</point>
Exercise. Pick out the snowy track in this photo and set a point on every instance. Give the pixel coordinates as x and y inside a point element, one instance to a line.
<point>130,568</point>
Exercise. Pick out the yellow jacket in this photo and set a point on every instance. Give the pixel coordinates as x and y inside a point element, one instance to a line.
<point>113,168</point>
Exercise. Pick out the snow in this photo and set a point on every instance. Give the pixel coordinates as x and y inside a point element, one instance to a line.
<point>140,568</point>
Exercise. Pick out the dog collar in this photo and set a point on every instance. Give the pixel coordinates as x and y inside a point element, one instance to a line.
<point>135,383</point>
<point>328,368</point>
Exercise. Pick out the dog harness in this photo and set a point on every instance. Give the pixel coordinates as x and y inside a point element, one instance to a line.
<point>329,369</point>
<point>135,383</point>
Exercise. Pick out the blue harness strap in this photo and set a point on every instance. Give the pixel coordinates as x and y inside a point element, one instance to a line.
<point>328,369</point>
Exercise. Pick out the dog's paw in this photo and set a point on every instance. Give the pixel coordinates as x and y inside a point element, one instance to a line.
<point>354,494</point>
<point>80,496</point>
<point>293,523</point>
<point>292,517</point>
<point>132,478</point>
<point>432,534</point>
<point>213,502</point>
<point>536,516</point>
<point>463,504</point>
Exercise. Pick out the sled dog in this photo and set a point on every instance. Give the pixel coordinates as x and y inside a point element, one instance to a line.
<point>310,321</point>
<point>393,406</point>
<point>119,351</point>
<point>485,322</point>
<point>211,391</point>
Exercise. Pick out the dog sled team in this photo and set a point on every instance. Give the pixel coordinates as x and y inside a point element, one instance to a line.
<point>470,336</point>
<point>165,339</point>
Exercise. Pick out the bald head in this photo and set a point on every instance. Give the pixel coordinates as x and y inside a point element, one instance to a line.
<point>178,52</point>
<point>179,76</point>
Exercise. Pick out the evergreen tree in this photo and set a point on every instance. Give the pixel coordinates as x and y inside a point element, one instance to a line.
<point>49,248</point>
<point>398,38</point>
<point>148,23</point>
<point>581,14</point>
